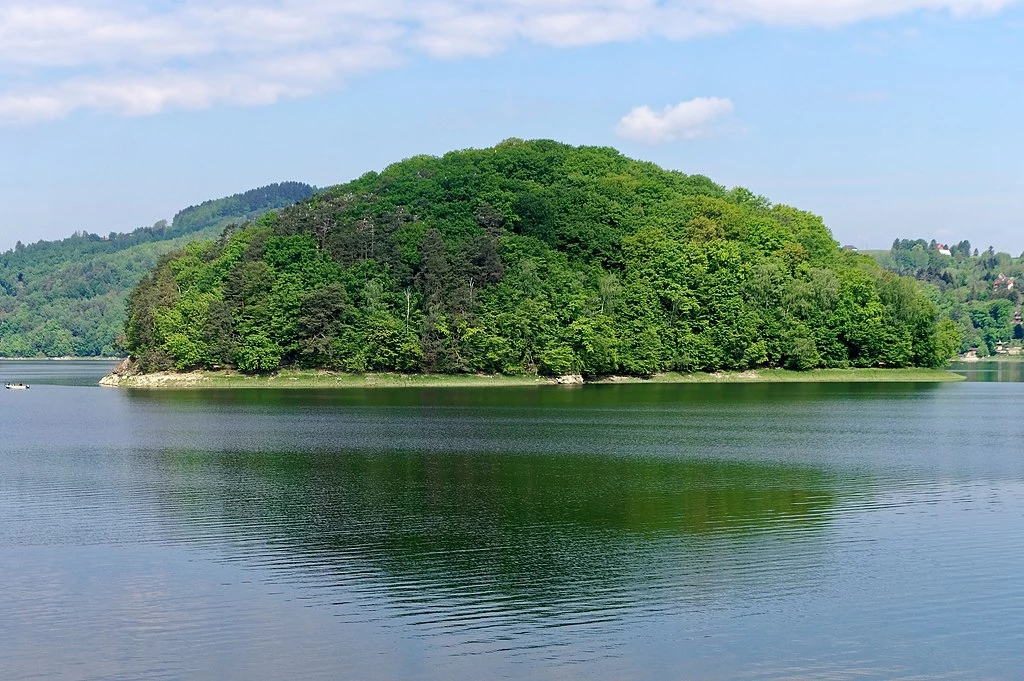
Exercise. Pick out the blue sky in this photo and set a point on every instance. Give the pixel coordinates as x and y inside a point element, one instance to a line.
<point>889,118</point>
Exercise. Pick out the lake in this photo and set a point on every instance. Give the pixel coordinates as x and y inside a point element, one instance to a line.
<point>761,531</point>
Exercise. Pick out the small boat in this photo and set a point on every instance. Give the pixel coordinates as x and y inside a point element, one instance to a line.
<point>15,386</point>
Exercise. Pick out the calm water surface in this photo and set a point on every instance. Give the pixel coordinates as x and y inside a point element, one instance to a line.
<point>830,531</point>
<point>992,371</point>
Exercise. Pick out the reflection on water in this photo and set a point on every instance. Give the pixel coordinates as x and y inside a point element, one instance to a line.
<point>991,371</point>
<point>514,527</point>
<point>826,531</point>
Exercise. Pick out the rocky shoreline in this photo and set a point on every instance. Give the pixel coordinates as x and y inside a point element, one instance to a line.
<point>126,375</point>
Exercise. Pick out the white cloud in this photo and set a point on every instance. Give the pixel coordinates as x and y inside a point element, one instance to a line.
<point>700,117</point>
<point>466,35</point>
<point>134,56</point>
<point>254,83</point>
<point>570,29</point>
<point>841,12</point>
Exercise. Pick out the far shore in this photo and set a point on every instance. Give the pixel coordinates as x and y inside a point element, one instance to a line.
<point>1002,357</point>
<point>293,378</point>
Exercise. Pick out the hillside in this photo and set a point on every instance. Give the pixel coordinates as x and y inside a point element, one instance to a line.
<point>530,257</point>
<point>980,292</point>
<point>67,297</point>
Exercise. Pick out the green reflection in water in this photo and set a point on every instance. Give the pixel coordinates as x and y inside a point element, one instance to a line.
<point>519,523</point>
<point>605,396</point>
<point>536,496</point>
<point>992,371</point>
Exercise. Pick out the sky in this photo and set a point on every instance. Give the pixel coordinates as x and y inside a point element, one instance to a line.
<point>889,118</point>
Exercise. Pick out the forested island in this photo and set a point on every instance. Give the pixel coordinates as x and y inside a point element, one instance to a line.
<point>530,257</point>
<point>67,297</point>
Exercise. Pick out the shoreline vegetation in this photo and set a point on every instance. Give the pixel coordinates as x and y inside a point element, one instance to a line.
<point>294,378</point>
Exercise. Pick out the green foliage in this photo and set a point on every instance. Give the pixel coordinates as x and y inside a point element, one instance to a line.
<point>530,257</point>
<point>60,298</point>
<point>255,353</point>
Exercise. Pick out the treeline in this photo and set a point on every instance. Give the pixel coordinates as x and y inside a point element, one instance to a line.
<point>979,292</point>
<point>67,297</point>
<point>247,205</point>
<point>530,257</point>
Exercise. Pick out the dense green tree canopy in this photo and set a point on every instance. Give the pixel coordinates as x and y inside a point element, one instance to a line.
<point>529,256</point>
<point>60,298</point>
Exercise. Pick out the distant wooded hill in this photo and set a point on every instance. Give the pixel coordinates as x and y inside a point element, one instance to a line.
<point>981,292</point>
<point>530,257</point>
<point>67,297</point>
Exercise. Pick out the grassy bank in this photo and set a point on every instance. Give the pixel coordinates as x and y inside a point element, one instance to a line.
<point>292,378</point>
<point>324,379</point>
<point>814,376</point>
